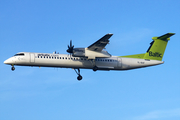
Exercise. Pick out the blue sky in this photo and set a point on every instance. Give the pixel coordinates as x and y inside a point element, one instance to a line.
<point>52,94</point>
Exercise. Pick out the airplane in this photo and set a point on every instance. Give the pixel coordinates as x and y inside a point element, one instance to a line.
<point>94,57</point>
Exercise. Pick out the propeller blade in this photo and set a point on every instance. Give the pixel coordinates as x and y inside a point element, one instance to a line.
<point>70,47</point>
<point>71,43</point>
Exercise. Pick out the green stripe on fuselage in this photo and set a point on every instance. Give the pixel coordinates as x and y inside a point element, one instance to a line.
<point>139,56</point>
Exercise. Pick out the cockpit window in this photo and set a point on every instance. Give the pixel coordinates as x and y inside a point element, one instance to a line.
<point>19,54</point>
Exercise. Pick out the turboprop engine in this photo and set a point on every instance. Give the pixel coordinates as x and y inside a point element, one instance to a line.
<point>78,52</point>
<point>85,52</point>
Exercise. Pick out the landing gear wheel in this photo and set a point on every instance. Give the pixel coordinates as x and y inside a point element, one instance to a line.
<point>12,68</point>
<point>78,73</point>
<point>95,68</point>
<point>79,77</point>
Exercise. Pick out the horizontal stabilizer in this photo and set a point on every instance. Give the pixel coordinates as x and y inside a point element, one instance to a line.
<point>166,36</point>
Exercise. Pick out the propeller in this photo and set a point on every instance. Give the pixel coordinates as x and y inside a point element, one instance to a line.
<point>70,48</point>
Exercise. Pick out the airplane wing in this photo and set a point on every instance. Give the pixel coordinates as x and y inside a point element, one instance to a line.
<point>99,45</point>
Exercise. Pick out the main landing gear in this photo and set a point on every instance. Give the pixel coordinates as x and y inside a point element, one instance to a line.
<point>95,68</point>
<point>78,73</point>
<point>12,68</point>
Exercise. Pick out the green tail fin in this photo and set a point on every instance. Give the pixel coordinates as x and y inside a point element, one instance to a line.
<point>157,47</point>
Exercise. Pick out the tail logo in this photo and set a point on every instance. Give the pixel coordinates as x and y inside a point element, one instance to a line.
<point>155,54</point>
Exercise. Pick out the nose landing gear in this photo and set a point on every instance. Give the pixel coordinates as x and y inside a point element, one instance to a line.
<point>12,68</point>
<point>78,73</point>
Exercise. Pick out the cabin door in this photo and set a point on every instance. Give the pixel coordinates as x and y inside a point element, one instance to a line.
<point>32,57</point>
<point>119,62</point>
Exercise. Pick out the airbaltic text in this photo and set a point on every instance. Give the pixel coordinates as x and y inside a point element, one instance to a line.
<point>156,54</point>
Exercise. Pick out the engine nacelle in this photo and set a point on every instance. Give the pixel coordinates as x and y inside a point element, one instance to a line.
<point>78,52</point>
<point>93,54</point>
<point>85,52</point>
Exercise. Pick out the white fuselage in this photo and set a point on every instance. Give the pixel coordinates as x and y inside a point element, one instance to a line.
<point>67,61</point>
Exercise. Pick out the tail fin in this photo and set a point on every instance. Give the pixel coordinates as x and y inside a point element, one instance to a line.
<point>157,47</point>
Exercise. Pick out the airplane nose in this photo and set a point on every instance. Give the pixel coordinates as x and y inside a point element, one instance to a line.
<point>8,61</point>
